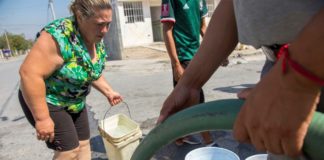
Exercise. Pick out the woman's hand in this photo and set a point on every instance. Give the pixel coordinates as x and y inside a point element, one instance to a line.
<point>114,98</point>
<point>45,129</point>
<point>102,85</point>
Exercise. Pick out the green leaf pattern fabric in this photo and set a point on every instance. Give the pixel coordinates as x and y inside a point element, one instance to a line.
<point>69,85</point>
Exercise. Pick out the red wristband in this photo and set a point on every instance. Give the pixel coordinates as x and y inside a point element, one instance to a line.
<point>283,52</point>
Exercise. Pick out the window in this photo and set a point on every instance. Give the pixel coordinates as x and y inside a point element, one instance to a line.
<point>210,7</point>
<point>133,12</point>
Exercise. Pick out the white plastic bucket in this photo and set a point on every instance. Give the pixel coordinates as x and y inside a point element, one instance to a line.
<point>258,157</point>
<point>120,135</point>
<point>211,153</point>
<point>122,150</point>
<point>118,127</point>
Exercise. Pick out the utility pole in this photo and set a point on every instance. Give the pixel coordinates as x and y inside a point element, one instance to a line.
<point>113,39</point>
<point>8,44</point>
<point>50,5</point>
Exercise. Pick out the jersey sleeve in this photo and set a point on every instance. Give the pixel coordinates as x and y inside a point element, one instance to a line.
<point>203,8</point>
<point>167,11</point>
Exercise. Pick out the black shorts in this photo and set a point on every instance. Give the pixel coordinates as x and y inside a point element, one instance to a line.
<point>70,128</point>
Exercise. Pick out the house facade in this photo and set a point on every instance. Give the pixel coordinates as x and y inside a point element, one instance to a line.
<point>138,22</point>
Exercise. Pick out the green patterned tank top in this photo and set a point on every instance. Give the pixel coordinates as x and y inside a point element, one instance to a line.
<point>69,85</point>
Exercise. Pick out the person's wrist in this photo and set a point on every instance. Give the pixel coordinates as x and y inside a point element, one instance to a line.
<point>308,67</point>
<point>108,93</point>
<point>176,64</point>
<point>40,118</point>
<point>294,80</point>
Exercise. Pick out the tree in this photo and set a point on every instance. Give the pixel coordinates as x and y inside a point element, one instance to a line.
<point>17,42</point>
<point>3,43</point>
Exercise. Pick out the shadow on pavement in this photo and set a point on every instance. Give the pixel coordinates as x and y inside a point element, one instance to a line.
<point>234,89</point>
<point>97,144</point>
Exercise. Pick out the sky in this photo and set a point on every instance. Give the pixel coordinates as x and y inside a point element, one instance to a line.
<point>29,16</point>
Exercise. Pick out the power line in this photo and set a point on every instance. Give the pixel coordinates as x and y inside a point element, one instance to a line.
<point>8,25</point>
<point>11,13</point>
<point>26,7</point>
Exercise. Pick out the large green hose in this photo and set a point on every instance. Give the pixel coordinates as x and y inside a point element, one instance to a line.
<point>219,114</point>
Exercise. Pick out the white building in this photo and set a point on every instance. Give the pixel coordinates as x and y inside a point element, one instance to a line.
<point>138,23</point>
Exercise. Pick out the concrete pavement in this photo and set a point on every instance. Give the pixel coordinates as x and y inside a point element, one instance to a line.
<point>144,84</point>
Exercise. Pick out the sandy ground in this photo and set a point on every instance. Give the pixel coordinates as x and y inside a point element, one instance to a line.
<point>158,51</point>
<point>144,52</point>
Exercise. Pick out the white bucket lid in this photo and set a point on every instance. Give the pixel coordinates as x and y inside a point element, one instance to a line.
<point>258,157</point>
<point>118,127</point>
<point>211,153</point>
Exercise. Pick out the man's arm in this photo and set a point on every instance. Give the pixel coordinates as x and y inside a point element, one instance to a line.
<point>102,86</point>
<point>203,29</point>
<point>277,113</point>
<point>218,43</point>
<point>308,48</point>
<point>171,48</point>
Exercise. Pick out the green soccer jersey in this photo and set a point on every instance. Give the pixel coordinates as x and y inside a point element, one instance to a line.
<point>186,16</point>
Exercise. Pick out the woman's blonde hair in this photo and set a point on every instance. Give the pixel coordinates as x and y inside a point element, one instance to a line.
<point>87,8</point>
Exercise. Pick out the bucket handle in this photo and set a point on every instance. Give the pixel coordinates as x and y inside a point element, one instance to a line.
<point>130,115</point>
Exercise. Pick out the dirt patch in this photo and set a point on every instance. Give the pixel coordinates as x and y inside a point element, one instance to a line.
<point>144,53</point>
<point>158,51</point>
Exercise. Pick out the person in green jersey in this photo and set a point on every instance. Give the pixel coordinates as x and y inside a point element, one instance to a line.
<point>56,76</point>
<point>183,23</point>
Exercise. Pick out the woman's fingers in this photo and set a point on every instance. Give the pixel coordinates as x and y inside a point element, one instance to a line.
<point>52,137</point>
<point>48,136</point>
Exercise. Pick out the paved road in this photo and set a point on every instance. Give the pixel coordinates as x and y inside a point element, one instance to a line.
<point>9,82</point>
<point>144,84</point>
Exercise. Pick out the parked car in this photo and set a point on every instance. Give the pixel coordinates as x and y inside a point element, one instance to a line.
<point>6,53</point>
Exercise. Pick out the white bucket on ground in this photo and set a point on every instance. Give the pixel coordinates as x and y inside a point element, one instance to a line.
<point>120,135</point>
<point>211,153</point>
<point>258,157</point>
